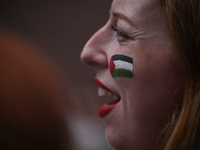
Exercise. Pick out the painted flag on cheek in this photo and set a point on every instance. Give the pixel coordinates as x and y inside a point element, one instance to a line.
<point>121,66</point>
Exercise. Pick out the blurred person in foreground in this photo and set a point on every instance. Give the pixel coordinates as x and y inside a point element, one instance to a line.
<point>32,103</point>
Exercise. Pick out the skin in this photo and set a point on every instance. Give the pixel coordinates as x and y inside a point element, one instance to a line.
<point>149,99</point>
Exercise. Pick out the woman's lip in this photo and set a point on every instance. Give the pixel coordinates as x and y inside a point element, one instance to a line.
<point>106,108</point>
<point>97,82</point>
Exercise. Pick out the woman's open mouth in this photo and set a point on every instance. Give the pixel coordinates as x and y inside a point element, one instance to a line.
<point>104,91</point>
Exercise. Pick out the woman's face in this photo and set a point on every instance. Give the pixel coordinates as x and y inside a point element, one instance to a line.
<point>143,103</point>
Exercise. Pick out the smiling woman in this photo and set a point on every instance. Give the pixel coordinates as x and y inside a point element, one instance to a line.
<point>155,97</point>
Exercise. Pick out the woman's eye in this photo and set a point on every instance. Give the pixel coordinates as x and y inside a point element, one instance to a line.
<point>121,35</point>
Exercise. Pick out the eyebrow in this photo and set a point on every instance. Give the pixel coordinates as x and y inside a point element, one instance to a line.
<point>123,17</point>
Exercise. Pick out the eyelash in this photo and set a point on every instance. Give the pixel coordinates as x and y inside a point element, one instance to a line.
<point>121,34</point>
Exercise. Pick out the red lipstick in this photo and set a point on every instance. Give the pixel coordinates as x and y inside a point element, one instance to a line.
<point>97,82</point>
<point>106,108</point>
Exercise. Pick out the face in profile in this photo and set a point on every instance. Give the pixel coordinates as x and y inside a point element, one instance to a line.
<point>136,63</point>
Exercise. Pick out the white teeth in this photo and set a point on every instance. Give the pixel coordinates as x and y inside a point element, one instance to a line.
<point>110,93</point>
<point>102,92</point>
<point>115,96</point>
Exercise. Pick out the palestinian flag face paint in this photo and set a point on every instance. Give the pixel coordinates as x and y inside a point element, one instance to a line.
<point>121,66</point>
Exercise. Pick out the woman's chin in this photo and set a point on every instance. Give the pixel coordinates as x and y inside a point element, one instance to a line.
<point>114,139</point>
<point>121,141</point>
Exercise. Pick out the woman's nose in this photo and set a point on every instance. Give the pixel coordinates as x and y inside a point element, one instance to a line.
<point>94,52</point>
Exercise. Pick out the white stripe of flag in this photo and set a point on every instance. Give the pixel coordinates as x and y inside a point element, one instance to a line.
<point>119,64</point>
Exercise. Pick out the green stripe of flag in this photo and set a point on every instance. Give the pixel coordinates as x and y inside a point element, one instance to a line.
<point>122,73</point>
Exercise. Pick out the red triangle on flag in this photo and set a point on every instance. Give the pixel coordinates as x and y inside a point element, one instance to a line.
<point>112,66</point>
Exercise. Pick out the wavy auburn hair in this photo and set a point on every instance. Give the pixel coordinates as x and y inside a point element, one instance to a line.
<point>183,23</point>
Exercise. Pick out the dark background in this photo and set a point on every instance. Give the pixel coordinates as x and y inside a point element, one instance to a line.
<point>61,28</point>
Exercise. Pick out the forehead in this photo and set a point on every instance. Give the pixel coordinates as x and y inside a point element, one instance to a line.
<point>135,4</point>
<point>139,11</point>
